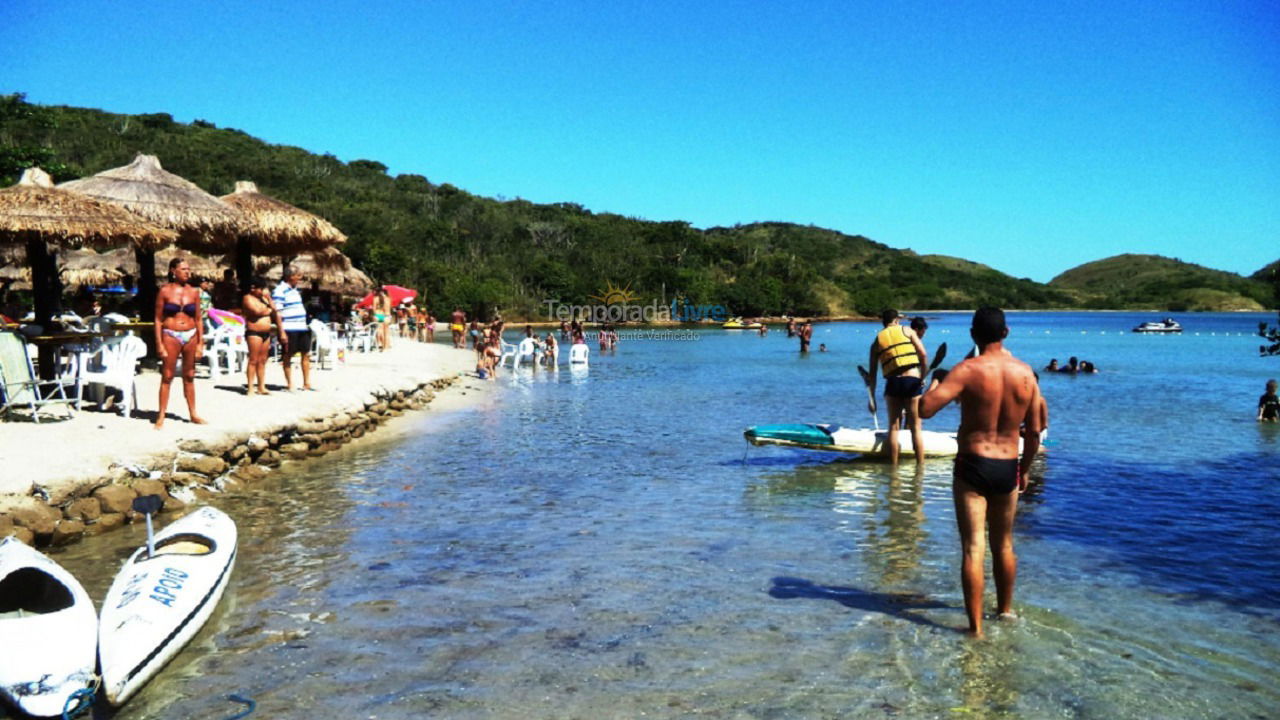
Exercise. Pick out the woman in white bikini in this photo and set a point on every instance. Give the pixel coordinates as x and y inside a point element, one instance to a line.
<point>179,333</point>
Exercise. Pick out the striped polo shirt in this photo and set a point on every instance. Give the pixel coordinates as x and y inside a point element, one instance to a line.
<point>293,316</point>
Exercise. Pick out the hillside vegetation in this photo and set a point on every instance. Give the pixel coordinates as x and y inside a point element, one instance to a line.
<point>1153,282</point>
<point>484,254</point>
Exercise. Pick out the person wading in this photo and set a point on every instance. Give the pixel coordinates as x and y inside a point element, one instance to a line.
<point>998,394</point>
<point>898,352</point>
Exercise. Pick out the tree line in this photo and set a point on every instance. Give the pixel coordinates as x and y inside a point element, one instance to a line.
<point>485,254</point>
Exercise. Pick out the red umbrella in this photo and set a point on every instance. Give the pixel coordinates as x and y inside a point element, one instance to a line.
<point>398,295</point>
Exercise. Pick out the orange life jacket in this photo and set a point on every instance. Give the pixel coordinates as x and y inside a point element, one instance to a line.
<point>895,350</point>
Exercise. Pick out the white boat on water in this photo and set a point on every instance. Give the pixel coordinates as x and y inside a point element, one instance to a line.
<point>1167,325</point>
<point>158,603</point>
<point>48,631</point>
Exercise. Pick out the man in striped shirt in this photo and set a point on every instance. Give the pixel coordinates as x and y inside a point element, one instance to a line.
<point>293,316</point>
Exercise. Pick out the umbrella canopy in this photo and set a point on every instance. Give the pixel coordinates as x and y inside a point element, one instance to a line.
<point>36,214</point>
<point>35,209</point>
<point>278,228</point>
<point>86,267</point>
<point>201,220</point>
<point>398,295</point>
<point>314,264</point>
<point>330,269</point>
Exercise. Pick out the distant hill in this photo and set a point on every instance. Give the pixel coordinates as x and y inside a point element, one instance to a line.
<point>483,253</point>
<point>1153,282</point>
<point>1267,273</point>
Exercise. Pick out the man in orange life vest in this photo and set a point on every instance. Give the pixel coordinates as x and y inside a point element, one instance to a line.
<point>898,352</point>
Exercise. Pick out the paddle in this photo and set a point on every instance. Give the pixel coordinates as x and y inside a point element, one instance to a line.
<point>148,505</point>
<point>871,396</point>
<point>938,355</point>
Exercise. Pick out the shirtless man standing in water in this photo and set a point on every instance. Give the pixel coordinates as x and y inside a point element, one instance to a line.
<point>998,393</point>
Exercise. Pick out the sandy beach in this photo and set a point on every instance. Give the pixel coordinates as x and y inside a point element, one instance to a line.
<point>52,458</point>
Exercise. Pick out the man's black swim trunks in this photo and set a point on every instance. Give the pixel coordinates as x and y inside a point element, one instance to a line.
<point>986,475</point>
<point>901,386</point>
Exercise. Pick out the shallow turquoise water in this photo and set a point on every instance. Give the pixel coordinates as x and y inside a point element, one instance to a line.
<point>602,544</point>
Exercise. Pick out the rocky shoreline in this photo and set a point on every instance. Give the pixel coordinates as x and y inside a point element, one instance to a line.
<point>198,471</point>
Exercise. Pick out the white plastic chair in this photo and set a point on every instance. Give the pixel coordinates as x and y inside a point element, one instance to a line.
<point>579,354</point>
<point>113,364</point>
<point>508,351</point>
<point>226,349</point>
<point>360,337</point>
<point>323,343</point>
<point>529,350</point>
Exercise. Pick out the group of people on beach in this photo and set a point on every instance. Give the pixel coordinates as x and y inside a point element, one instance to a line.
<point>545,351</point>
<point>179,333</point>
<point>269,314</point>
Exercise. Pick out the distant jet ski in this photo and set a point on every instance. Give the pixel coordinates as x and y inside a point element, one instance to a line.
<point>1167,325</point>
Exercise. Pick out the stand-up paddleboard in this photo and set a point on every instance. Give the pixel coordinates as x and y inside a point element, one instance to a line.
<point>860,441</point>
<point>157,603</point>
<point>48,631</point>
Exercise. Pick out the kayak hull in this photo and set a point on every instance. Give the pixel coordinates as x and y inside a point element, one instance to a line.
<point>156,605</point>
<point>830,437</point>
<point>48,631</point>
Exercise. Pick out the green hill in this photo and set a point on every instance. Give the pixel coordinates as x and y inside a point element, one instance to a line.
<point>514,255</point>
<point>1268,272</point>
<point>1153,282</point>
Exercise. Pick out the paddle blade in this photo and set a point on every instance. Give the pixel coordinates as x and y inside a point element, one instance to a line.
<point>938,355</point>
<point>148,504</point>
<point>871,396</point>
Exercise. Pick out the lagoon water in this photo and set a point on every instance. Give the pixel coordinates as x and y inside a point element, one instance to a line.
<point>602,544</point>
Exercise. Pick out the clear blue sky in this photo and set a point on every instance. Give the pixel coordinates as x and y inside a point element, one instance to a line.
<point>1028,136</point>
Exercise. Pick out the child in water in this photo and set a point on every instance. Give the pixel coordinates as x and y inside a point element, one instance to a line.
<point>1269,404</point>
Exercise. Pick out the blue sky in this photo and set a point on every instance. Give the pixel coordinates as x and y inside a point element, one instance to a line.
<point>1028,136</point>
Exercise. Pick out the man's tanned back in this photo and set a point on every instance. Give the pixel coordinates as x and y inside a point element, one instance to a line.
<point>996,390</point>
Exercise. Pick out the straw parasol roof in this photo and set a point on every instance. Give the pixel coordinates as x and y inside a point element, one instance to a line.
<point>278,228</point>
<point>201,267</point>
<point>86,267</point>
<point>201,220</point>
<point>328,267</point>
<point>35,209</point>
<point>15,274</point>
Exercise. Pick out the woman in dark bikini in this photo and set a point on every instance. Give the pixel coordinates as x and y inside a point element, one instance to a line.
<point>259,314</point>
<point>179,333</point>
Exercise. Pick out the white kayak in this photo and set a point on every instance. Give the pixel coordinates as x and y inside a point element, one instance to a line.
<point>860,441</point>
<point>48,631</point>
<point>157,604</point>
<point>836,438</point>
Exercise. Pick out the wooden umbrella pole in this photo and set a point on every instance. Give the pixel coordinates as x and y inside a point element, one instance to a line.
<point>244,265</point>
<point>45,288</point>
<point>147,289</point>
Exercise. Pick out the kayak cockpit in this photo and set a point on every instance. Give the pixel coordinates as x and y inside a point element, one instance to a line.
<point>30,591</point>
<point>186,544</point>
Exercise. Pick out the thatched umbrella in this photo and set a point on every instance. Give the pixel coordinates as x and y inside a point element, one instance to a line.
<point>201,220</point>
<point>86,267</point>
<point>34,215</point>
<point>276,228</point>
<point>331,270</point>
